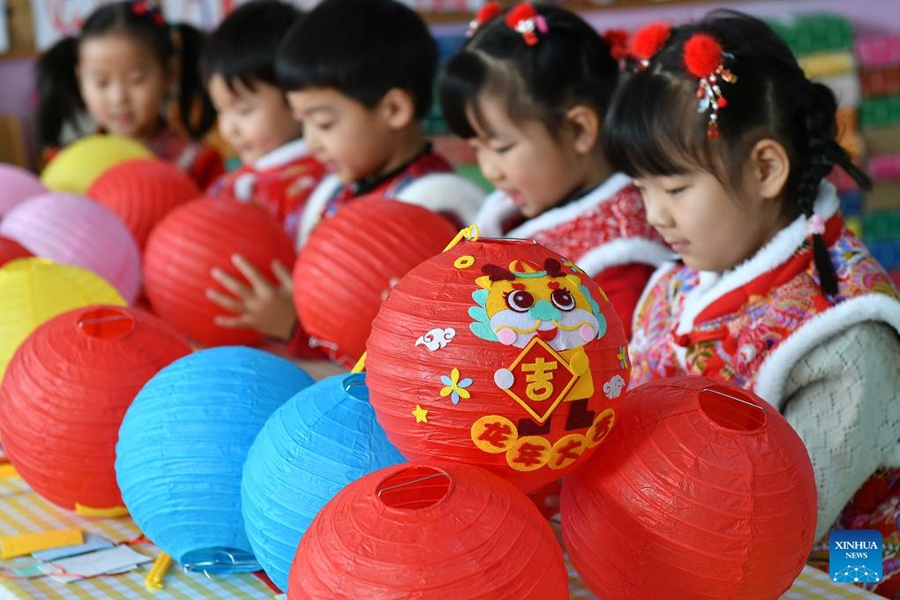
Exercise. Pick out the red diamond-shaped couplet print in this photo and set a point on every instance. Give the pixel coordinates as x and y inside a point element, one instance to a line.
<point>541,379</point>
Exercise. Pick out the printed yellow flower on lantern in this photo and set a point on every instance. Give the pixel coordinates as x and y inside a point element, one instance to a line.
<point>622,355</point>
<point>455,388</point>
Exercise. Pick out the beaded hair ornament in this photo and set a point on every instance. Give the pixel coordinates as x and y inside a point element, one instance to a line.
<point>524,19</point>
<point>704,59</point>
<point>486,13</point>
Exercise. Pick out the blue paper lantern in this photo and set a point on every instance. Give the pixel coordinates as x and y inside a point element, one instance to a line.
<point>320,440</point>
<point>182,447</point>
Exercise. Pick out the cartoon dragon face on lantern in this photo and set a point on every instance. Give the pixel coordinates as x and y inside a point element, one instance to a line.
<point>500,353</point>
<point>518,304</point>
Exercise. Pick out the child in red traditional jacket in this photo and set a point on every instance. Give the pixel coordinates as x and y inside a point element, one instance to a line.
<point>730,144</point>
<point>278,172</point>
<point>122,67</point>
<point>358,75</point>
<point>529,90</point>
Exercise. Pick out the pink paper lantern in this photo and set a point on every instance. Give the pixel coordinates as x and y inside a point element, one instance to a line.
<point>72,229</point>
<point>701,492</point>
<point>17,185</point>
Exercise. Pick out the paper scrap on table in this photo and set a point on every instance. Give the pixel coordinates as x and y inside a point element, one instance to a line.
<point>27,543</point>
<point>28,571</point>
<point>102,562</point>
<point>91,542</point>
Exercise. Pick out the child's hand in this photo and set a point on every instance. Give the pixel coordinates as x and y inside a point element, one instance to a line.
<point>263,307</point>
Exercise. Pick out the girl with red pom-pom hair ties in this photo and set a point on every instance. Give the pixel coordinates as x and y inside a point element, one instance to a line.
<point>729,144</point>
<point>529,91</point>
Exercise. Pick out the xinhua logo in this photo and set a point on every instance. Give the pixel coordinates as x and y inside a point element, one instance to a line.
<point>855,555</point>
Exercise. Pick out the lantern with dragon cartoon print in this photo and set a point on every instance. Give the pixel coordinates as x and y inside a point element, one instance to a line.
<point>500,354</point>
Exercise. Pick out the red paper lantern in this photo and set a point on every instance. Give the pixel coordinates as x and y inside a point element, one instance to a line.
<point>192,240</point>
<point>501,354</point>
<point>11,250</point>
<point>142,191</point>
<point>66,391</point>
<point>703,491</point>
<point>352,260</point>
<point>429,531</point>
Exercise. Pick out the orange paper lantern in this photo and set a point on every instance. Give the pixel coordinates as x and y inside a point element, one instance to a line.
<point>66,391</point>
<point>429,531</point>
<point>352,260</point>
<point>501,354</point>
<point>702,491</point>
<point>142,191</point>
<point>11,250</point>
<point>192,240</point>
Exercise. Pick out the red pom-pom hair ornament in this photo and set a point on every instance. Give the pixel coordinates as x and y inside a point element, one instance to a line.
<point>702,490</point>
<point>500,354</point>
<point>431,531</point>
<point>702,55</point>
<point>647,41</point>
<point>485,14</point>
<point>142,191</point>
<point>703,58</point>
<point>617,39</point>
<point>192,240</point>
<point>65,394</point>
<point>350,263</point>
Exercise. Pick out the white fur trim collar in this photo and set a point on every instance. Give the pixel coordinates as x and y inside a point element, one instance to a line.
<point>713,286</point>
<point>603,192</point>
<point>622,251</point>
<point>282,155</point>
<point>312,212</point>
<point>497,207</point>
<point>774,371</point>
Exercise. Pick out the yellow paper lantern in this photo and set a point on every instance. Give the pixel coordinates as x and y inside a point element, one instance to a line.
<point>34,290</point>
<point>76,167</point>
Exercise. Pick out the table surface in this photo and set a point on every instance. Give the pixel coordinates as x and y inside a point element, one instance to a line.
<point>23,511</point>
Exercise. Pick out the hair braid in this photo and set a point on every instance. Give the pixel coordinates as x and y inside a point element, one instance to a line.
<point>824,153</point>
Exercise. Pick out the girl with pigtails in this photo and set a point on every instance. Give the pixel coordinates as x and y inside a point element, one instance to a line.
<point>123,68</point>
<point>529,91</point>
<point>729,144</point>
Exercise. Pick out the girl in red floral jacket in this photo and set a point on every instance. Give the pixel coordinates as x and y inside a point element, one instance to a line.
<point>730,143</point>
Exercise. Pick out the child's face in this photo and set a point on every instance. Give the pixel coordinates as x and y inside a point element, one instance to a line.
<point>703,223</point>
<point>123,85</point>
<point>535,169</point>
<point>351,140</point>
<point>253,122</point>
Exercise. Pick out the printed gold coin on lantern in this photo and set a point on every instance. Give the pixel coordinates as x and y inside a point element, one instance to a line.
<point>501,354</point>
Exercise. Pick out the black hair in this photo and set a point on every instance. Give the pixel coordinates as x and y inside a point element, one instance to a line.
<point>243,47</point>
<point>363,49</point>
<point>653,126</point>
<point>58,94</point>
<point>570,64</point>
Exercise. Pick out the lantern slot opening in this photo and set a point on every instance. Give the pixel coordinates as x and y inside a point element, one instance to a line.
<point>732,408</point>
<point>414,488</point>
<point>105,323</point>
